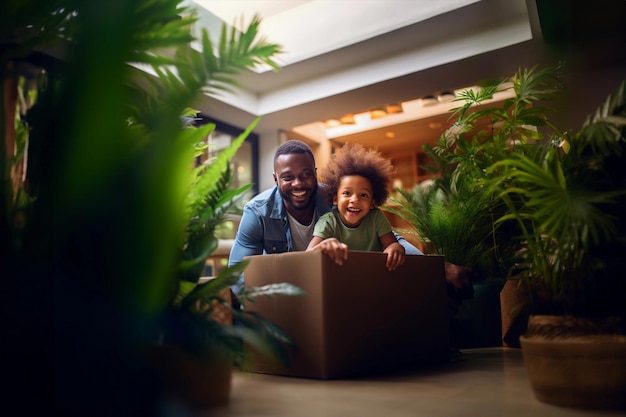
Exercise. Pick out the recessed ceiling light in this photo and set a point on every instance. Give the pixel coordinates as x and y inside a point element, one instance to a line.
<point>434,125</point>
<point>390,135</point>
<point>378,113</point>
<point>427,101</point>
<point>394,108</point>
<point>332,123</point>
<point>446,96</point>
<point>347,119</point>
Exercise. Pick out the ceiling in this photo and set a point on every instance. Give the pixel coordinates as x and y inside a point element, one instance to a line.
<point>349,56</point>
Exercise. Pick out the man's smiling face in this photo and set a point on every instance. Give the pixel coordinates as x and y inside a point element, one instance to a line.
<point>295,175</point>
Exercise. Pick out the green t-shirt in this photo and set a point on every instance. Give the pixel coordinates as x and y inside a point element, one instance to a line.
<point>364,237</point>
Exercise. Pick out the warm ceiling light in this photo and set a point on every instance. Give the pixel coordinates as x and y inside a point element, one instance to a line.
<point>393,108</point>
<point>434,125</point>
<point>429,100</point>
<point>390,135</point>
<point>347,119</point>
<point>378,113</point>
<point>332,123</point>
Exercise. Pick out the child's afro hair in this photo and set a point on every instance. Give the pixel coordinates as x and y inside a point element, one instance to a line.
<point>354,159</point>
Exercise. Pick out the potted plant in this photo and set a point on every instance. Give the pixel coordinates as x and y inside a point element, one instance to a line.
<point>553,207</point>
<point>567,201</point>
<point>199,343</point>
<point>95,185</point>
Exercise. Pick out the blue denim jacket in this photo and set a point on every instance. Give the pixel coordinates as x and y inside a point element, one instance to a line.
<point>264,229</point>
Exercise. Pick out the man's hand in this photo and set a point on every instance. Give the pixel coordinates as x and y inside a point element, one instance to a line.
<point>459,283</point>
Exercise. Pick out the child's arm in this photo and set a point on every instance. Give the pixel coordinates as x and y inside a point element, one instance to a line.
<point>337,251</point>
<point>395,251</point>
<point>314,242</point>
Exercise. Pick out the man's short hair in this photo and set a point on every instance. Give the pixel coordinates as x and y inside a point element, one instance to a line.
<point>293,146</point>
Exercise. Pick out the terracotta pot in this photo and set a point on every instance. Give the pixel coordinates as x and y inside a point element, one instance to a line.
<point>577,370</point>
<point>514,319</point>
<point>197,382</point>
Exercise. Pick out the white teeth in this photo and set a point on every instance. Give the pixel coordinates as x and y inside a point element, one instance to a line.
<point>354,210</point>
<point>298,193</point>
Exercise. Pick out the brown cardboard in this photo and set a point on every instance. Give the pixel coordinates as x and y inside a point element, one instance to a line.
<point>355,318</point>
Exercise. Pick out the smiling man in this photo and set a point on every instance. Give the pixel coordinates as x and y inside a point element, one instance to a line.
<point>282,218</point>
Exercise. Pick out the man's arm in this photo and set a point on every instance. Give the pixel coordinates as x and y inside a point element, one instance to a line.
<point>248,242</point>
<point>409,249</point>
<point>458,278</point>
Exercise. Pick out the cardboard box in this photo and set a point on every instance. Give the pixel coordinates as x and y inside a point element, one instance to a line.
<point>356,318</point>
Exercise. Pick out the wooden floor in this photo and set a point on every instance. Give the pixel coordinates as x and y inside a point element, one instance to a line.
<point>478,382</point>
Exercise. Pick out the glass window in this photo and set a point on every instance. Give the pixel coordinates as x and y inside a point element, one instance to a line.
<point>245,162</point>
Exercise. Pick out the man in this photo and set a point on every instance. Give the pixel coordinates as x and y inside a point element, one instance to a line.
<point>282,218</point>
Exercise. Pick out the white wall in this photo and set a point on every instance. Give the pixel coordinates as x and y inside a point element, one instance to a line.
<point>268,142</point>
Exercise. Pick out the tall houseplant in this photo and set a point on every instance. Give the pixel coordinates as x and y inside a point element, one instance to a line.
<point>95,181</point>
<point>553,225</point>
<point>199,343</point>
<point>567,200</point>
<point>454,213</point>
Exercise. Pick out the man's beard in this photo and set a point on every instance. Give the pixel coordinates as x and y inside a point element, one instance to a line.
<point>288,202</point>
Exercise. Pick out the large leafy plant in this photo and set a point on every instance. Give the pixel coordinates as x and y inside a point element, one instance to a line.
<point>199,319</point>
<point>455,212</point>
<point>96,218</point>
<point>447,224</point>
<point>568,201</point>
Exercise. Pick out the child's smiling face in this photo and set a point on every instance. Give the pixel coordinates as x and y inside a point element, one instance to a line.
<point>354,199</point>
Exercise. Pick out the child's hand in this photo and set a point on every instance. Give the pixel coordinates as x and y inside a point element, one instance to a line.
<point>337,251</point>
<point>395,255</point>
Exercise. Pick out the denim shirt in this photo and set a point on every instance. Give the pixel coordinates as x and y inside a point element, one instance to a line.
<point>264,229</point>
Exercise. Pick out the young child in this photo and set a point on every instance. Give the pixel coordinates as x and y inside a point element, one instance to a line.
<point>357,180</point>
